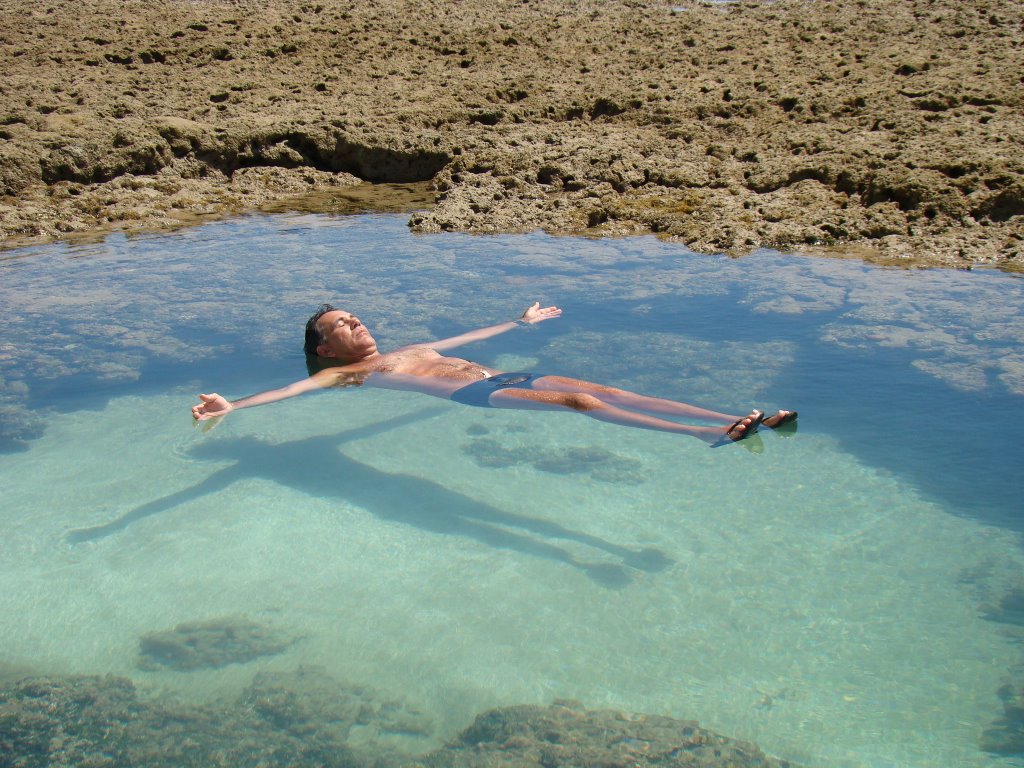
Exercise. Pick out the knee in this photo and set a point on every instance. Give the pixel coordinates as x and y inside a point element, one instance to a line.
<point>582,402</point>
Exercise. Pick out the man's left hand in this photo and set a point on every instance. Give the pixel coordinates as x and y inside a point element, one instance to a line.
<point>536,314</point>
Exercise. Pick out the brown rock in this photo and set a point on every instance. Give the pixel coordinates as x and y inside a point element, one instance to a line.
<point>782,124</point>
<point>566,734</point>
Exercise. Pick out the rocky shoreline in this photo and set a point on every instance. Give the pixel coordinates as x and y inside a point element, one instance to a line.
<point>891,131</point>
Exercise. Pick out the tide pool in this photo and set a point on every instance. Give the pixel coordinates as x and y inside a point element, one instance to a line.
<point>838,596</point>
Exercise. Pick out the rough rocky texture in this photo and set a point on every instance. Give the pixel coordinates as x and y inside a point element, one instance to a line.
<point>210,644</point>
<point>566,734</point>
<point>896,125</point>
<point>306,701</point>
<point>305,719</point>
<point>94,722</point>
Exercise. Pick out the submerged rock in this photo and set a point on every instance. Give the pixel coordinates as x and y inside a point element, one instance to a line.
<point>1010,609</point>
<point>210,644</point>
<point>65,721</point>
<point>307,701</point>
<point>599,463</point>
<point>17,426</point>
<point>305,718</point>
<point>566,734</point>
<point>1005,736</point>
<point>105,722</point>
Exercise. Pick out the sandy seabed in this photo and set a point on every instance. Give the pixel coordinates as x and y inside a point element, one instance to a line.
<point>888,130</point>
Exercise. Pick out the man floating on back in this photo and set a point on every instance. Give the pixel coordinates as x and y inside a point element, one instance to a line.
<point>347,354</point>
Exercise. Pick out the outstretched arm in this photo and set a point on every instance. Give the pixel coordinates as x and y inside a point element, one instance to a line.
<point>214,405</point>
<point>533,315</point>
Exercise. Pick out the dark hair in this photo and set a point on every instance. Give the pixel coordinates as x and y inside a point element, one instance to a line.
<point>315,363</point>
<point>313,336</point>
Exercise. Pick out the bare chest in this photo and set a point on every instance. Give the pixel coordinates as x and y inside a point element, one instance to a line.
<point>423,361</point>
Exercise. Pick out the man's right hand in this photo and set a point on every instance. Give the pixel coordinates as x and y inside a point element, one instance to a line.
<point>211,407</point>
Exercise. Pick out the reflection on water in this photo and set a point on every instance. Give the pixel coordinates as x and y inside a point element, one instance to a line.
<point>464,558</point>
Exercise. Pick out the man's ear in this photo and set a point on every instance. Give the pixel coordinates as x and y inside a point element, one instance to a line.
<point>322,350</point>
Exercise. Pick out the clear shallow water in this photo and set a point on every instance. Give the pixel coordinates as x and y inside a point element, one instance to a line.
<point>831,598</point>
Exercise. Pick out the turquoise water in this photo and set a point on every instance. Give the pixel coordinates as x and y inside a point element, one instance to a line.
<point>838,597</point>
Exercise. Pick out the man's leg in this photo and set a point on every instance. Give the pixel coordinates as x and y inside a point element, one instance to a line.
<point>596,408</point>
<point>631,400</point>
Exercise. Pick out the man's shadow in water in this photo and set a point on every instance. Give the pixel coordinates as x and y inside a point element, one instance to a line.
<point>316,466</point>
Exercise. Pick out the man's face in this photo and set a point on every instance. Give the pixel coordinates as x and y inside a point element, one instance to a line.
<point>344,337</point>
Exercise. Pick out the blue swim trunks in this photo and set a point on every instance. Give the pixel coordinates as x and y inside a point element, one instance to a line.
<point>478,393</point>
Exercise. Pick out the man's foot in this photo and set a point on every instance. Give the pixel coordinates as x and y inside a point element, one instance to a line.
<point>780,418</point>
<point>740,429</point>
